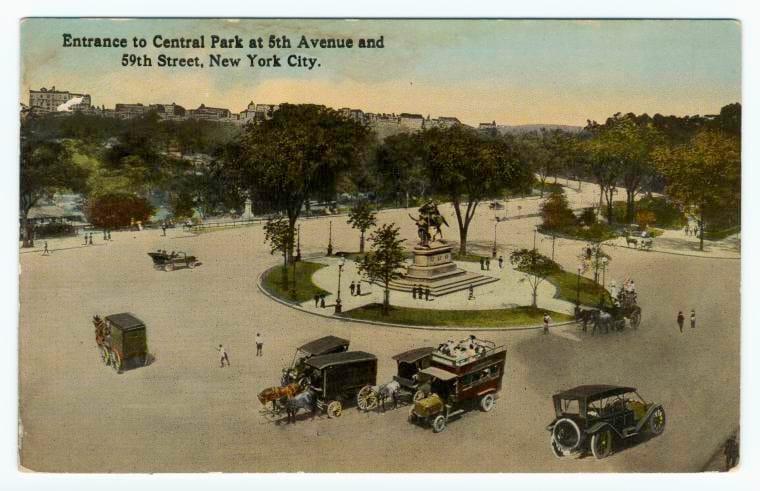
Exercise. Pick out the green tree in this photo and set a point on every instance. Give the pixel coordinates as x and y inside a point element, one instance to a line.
<point>362,217</point>
<point>277,233</point>
<point>536,267</point>
<point>298,154</point>
<point>556,213</point>
<point>704,175</point>
<point>383,263</point>
<point>469,168</point>
<point>46,167</point>
<point>399,164</point>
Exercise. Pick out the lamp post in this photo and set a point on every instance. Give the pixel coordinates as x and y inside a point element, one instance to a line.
<point>338,306</point>
<point>554,238</point>
<point>298,244</point>
<point>493,250</point>
<point>578,288</point>
<point>293,285</point>
<point>535,231</point>
<point>329,241</point>
<point>604,271</point>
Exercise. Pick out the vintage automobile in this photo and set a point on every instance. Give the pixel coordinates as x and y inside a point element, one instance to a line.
<point>335,379</point>
<point>406,386</point>
<point>591,417</point>
<point>170,261</point>
<point>461,376</point>
<point>122,341</point>
<point>322,346</point>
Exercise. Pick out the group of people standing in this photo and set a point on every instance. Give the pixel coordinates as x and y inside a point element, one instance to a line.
<point>420,293</point>
<point>691,231</point>
<point>692,319</point>
<point>356,288</point>
<point>485,263</point>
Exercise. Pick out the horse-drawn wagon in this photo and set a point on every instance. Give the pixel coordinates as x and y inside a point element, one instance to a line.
<point>122,340</point>
<point>406,386</point>
<point>295,373</point>
<point>170,261</point>
<point>625,310</point>
<point>461,376</point>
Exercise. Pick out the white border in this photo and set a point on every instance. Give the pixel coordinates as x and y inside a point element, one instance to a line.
<point>745,11</point>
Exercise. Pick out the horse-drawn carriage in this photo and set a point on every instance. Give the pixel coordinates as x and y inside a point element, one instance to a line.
<point>407,386</point>
<point>295,373</point>
<point>638,239</point>
<point>624,310</point>
<point>122,340</point>
<point>461,376</point>
<point>170,261</point>
<point>329,382</point>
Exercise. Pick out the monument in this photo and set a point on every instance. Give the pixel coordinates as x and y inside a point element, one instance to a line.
<point>432,266</point>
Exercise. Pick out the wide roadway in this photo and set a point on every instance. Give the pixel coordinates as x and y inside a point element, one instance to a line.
<point>184,413</point>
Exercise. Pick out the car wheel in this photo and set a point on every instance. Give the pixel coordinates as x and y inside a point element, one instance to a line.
<point>486,402</point>
<point>555,449</point>
<point>566,434</point>
<point>657,421</point>
<point>412,416</point>
<point>601,444</point>
<point>439,424</point>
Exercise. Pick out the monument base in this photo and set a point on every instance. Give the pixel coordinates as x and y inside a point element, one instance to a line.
<point>434,269</point>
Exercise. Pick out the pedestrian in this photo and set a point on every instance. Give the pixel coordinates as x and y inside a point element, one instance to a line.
<point>259,344</point>
<point>488,264</point>
<point>316,300</point>
<point>693,319</point>
<point>85,238</point>
<point>501,262</point>
<point>352,288</point>
<point>731,451</point>
<point>613,290</point>
<point>322,301</point>
<point>547,320</point>
<point>680,320</point>
<point>414,292</point>
<point>471,291</point>
<point>358,288</point>
<point>163,229</point>
<point>223,356</point>
<point>109,234</point>
<point>427,294</point>
<point>105,237</point>
<point>686,230</point>
<point>482,264</point>
<point>91,238</point>
<point>46,252</point>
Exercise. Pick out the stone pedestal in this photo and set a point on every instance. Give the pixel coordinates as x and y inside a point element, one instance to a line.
<point>433,268</point>
<point>248,212</point>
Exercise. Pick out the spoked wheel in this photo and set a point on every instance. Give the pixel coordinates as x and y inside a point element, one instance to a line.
<point>601,444</point>
<point>366,399</point>
<point>657,421</point>
<point>105,356</point>
<point>439,424</point>
<point>334,409</point>
<point>486,402</point>
<point>556,450</point>
<point>635,319</point>
<point>116,361</point>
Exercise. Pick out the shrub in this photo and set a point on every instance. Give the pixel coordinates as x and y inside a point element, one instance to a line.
<point>556,213</point>
<point>588,216</point>
<point>645,218</point>
<point>116,210</point>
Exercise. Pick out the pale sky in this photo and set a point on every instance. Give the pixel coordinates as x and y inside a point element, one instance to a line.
<point>510,71</point>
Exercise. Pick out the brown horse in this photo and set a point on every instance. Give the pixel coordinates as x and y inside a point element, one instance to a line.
<point>276,394</point>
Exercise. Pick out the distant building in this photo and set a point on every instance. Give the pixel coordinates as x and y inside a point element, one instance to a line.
<point>210,113</point>
<point>265,111</point>
<point>489,128</point>
<point>248,114</point>
<point>125,111</point>
<point>412,122</point>
<point>51,100</point>
<point>354,114</point>
<point>168,111</point>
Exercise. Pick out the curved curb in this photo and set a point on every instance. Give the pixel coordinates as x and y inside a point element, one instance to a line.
<point>296,306</point>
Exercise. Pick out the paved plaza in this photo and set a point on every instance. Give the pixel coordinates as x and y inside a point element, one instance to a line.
<point>184,413</point>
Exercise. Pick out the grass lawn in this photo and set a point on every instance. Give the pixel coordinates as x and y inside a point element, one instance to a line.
<point>518,316</point>
<point>567,285</point>
<point>272,281</point>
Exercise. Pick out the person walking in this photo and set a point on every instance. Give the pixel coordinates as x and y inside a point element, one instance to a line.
<point>488,264</point>
<point>259,344</point>
<point>680,320</point>
<point>501,262</point>
<point>547,320</point>
<point>414,292</point>
<point>482,264</point>
<point>223,356</point>
<point>359,288</point>
<point>46,252</point>
<point>693,319</point>
<point>105,237</point>
<point>91,238</point>
<point>471,291</point>
<point>322,301</point>
<point>163,229</point>
<point>352,288</point>
<point>85,238</point>
<point>731,451</point>
<point>109,234</point>
<point>316,300</point>
<point>427,294</point>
